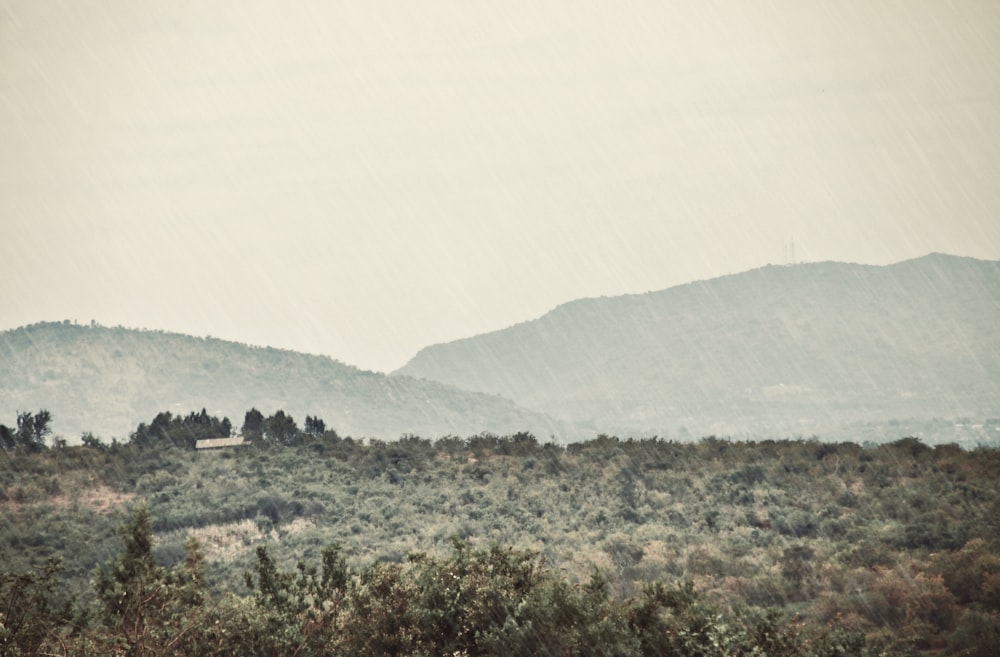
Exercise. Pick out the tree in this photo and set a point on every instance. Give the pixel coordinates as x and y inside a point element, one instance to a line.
<point>253,425</point>
<point>32,429</point>
<point>147,435</point>
<point>124,587</point>
<point>40,428</point>
<point>8,438</point>
<point>281,429</point>
<point>315,426</point>
<point>146,608</point>
<point>31,615</point>
<point>297,609</point>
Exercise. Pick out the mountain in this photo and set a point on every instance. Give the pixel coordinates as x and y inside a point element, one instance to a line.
<point>799,348</point>
<point>107,380</point>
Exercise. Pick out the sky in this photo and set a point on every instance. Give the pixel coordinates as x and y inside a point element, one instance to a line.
<point>363,178</point>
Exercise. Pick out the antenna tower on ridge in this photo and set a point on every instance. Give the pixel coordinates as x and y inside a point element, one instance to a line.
<point>788,251</point>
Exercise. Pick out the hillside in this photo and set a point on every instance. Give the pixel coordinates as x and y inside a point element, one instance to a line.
<point>803,348</point>
<point>107,380</point>
<point>894,545</point>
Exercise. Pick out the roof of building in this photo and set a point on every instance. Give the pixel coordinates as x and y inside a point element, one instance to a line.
<point>213,443</point>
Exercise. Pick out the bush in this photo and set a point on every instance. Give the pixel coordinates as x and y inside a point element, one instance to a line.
<point>977,635</point>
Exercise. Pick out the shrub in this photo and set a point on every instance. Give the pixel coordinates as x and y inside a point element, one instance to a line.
<point>977,635</point>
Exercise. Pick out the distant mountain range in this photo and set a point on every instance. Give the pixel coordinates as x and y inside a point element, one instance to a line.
<point>107,380</point>
<point>797,349</point>
<point>776,351</point>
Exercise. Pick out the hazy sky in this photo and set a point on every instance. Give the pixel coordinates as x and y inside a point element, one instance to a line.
<point>366,177</point>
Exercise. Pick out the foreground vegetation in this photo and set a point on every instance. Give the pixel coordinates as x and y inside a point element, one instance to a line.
<point>493,601</point>
<point>495,545</point>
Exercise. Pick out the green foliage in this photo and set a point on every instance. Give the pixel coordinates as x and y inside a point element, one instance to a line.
<point>296,610</point>
<point>144,608</point>
<point>978,635</point>
<point>185,432</point>
<point>476,601</point>
<point>32,429</point>
<point>281,429</point>
<point>603,536</point>
<point>314,426</point>
<point>34,615</point>
<point>253,425</point>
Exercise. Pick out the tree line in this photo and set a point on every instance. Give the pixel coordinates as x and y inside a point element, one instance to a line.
<point>32,430</point>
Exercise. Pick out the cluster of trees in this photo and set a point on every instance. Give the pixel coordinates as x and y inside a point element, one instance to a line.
<point>181,431</point>
<point>492,601</point>
<point>892,545</point>
<point>167,429</point>
<point>281,429</point>
<point>30,434</point>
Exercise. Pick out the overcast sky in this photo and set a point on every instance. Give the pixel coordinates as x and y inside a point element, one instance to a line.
<point>366,177</point>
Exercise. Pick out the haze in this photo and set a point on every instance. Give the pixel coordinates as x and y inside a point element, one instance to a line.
<point>362,179</point>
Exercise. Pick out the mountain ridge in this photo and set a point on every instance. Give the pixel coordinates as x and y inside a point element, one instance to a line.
<point>784,338</point>
<point>793,347</point>
<point>108,379</point>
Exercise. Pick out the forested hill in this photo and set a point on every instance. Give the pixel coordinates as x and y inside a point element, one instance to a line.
<point>107,380</point>
<point>797,348</point>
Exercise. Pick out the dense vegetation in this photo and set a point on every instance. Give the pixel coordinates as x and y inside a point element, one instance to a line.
<point>496,545</point>
<point>492,601</point>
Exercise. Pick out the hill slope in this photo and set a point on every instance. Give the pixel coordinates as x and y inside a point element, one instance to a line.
<point>107,380</point>
<point>798,348</point>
